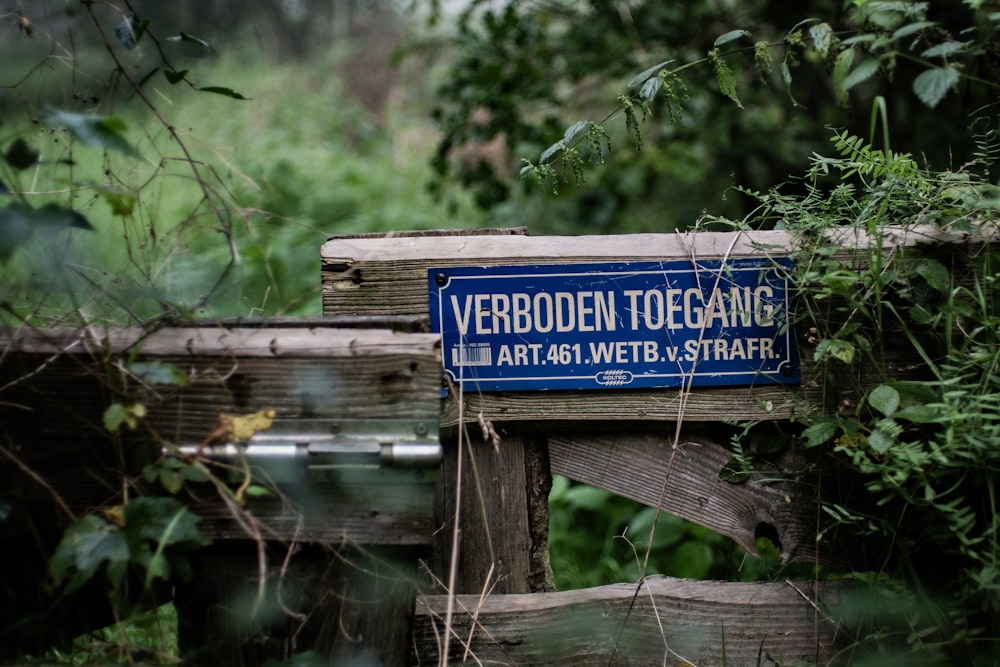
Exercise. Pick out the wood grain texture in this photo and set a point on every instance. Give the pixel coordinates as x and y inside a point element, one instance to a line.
<point>644,466</point>
<point>377,275</point>
<point>668,621</point>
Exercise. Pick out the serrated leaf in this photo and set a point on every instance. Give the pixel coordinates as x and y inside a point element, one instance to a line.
<point>932,85</point>
<point>96,131</point>
<point>644,76</point>
<point>885,399</point>
<point>219,90</point>
<point>551,151</point>
<point>861,73</point>
<point>822,37</point>
<point>819,432</point>
<point>651,89</point>
<point>943,49</point>
<point>20,155</point>
<point>575,129</point>
<point>911,28</point>
<point>173,76</point>
<point>730,36</point>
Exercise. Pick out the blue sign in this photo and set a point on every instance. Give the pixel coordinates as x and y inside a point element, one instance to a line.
<point>616,324</point>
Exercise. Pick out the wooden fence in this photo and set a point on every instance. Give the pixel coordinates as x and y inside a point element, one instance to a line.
<point>365,566</point>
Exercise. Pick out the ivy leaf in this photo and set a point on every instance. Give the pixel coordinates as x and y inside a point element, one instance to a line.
<point>932,85</point>
<point>160,519</point>
<point>861,73</point>
<point>98,131</point>
<point>885,399</point>
<point>730,36</point>
<point>85,546</point>
<point>20,155</point>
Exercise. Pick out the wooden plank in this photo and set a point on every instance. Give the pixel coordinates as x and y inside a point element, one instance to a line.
<point>495,543</point>
<point>666,622</point>
<point>645,467</point>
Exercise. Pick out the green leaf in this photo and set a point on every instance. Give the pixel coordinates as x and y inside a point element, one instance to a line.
<point>880,441</point>
<point>943,49</point>
<point>173,76</point>
<point>20,155</point>
<point>96,131</point>
<point>820,431</point>
<point>115,415</point>
<point>885,399</point>
<point>935,274</point>
<point>651,89</point>
<point>734,471</point>
<point>227,92</point>
<point>574,130</point>
<point>861,73</point>
<point>159,372</point>
<point>692,560</point>
<point>85,546</point>
<point>841,66</point>
<point>191,39</point>
<point>932,85</point>
<point>162,519</point>
<point>258,491</point>
<point>822,37</point>
<point>838,349</point>
<point>920,414</point>
<point>643,77</point>
<point>121,201</point>
<point>130,30</point>
<point>730,36</point>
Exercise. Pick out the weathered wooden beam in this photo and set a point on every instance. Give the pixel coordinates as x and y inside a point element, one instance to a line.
<point>661,621</point>
<point>686,481</point>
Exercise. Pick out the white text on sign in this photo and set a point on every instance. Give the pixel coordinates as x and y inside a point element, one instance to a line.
<point>588,311</point>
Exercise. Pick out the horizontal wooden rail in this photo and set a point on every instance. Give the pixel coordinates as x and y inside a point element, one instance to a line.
<point>662,621</point>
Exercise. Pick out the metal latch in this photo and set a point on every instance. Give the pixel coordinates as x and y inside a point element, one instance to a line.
<point>319,444</point>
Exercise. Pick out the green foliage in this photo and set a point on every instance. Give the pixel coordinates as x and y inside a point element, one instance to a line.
<point>154,533</point>
<point>598,538</point>
<point>925,447</point>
